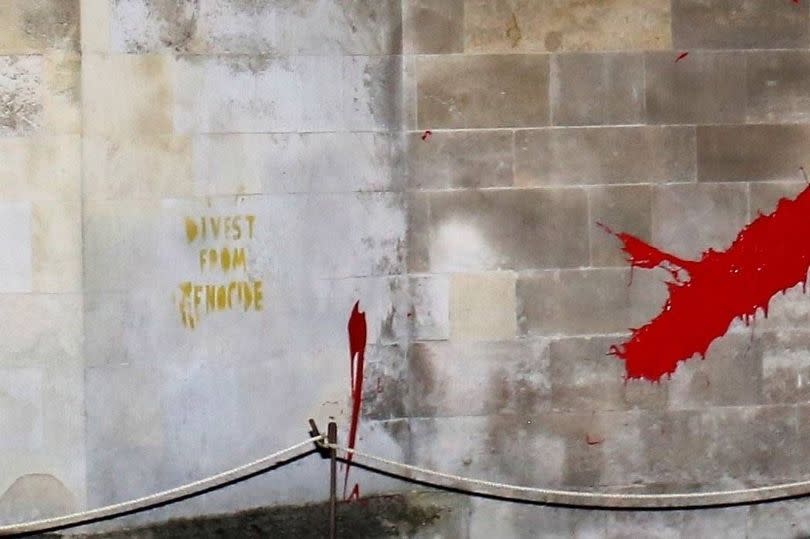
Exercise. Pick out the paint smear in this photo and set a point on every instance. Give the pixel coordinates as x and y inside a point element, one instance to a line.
<point>426,135</point>
<point>681,56</point>
<point>769,255</point>
<point>357,357</point>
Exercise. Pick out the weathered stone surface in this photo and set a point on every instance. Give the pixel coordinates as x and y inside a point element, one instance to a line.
<point>36,496</point>
<point>61,92</point>
<point>430,312</point>
<point>225,27</point>
<point>789,518</point>
<point>31,26</point>
<point>676,92</point>
<point>766,195</point>
<point>20,95</point>
<point>730,375</point>
<point>732,24</point>
<point>482,306</point>
<point>127,94</point>
<point>585,377</point>
<point>493,518</point>
<point>601,155</point>
<point>56,230</point>
<point>752,152</point>
<point>778,84</point>
<point>488,230</point>
<point>482,91</point>
<point>467,159</point>
<point>484,378</point>
<point>622,209</point>
<point>690,218</point>
<point>40,168</point>
<point>597,89</point>
<point>586,302</point>
<point>16,225</point>
<point>565,25</point>
<point>785,367</point>
<point>433,27</point>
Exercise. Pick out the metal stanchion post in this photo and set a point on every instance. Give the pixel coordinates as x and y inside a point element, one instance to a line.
<point>332,437</point>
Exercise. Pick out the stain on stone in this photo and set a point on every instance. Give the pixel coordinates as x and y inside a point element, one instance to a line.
<point>50,23</point>
<point>513,31</point>
<point>553,41</point>
<point>426,390</point>
<point>382,81</point>
<point>178,21</point>
<point>36,496</point>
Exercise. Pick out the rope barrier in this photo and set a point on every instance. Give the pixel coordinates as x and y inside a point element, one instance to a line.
<point>571,498</point>
<point>166,497</point>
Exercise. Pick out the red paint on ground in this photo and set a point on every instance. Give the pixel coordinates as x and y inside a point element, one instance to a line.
<point>681,56</point>
<point>357,358</point>
<point>769,255</point>
<point>426,135</point>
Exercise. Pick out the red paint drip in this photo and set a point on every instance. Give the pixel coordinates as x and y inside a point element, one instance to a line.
<point>357,357</point>
<point>355,494</point>
<point>593,441</point>
<point>769,255</point>
<point>426,135</point>
<point>681,56</point>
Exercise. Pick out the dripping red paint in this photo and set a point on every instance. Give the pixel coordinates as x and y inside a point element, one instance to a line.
<point>357,353</point>
<point>769,255</point>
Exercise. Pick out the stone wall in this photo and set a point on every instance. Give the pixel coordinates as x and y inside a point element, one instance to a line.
<point>293,134</point>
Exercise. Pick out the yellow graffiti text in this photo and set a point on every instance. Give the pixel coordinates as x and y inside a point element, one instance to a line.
<point>199,299</point>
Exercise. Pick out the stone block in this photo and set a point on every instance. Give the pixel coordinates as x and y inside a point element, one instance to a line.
<point>586,302</point>
<point>433,27</point>
<point>602,155</point>
<point>500,230</point>
<point>16,244</point>
<point>32,26</point>
<point>20,95</point>
<point>691,218</point>
<point>778,85</point>
<point>625,208</point>
<point>766,195</point>
<point>482,91</point>
<point>61,92</point>
<point>430,310</point>
<point>47,328</point>
<point>752,152</point>
<point>22,398</point>
<point>785,366</point>
<point>789,518</point>
<point>597,89</point>
<point>732,24</point>
<point>482,306</point>
<point>466,379</point>
<point>494,518</point>
<point>565,25</point>
<point>56,251</point>
<point>459,159</point>
<point>676,92</point>
<point>41,168</point>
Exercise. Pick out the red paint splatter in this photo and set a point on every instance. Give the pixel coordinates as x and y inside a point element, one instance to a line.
<point>593,441</point>
<point>769,255</point>
<point>426,135</point>
<point>357,358</point>
<point>681,56</point>
<point>355,493</point>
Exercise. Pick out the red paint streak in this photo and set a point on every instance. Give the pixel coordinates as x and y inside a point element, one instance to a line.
<point>593,441</point>
<point>426,135</point>
<point>769,255</point>
<point>355,494</point>
<point>357,349</point>
<point>681,56</point>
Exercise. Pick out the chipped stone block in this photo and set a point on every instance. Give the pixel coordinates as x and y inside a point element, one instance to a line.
<point>597,89</point>
<point>752,152</point>
<point>16,272</point>
<point>482,306</point>
<point>127,94</point>
<point>500,229</point>
<point>732,24</point>
<point>453,159</point>
<point>32,26</point>
<point>565,25</point>
<point>20,95</point>
<point>143,167</point>
<point>586,302</point>
<point>621,209</point>
<point>676,93</point>
<point>691,218</point>
<point>602,155</point>
<point>449,379</point>
<point>433,27</point>
<point>482,91</point>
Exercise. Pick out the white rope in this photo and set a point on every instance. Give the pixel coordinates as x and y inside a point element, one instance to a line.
<point>161,497</point>
<point>578,498</point>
